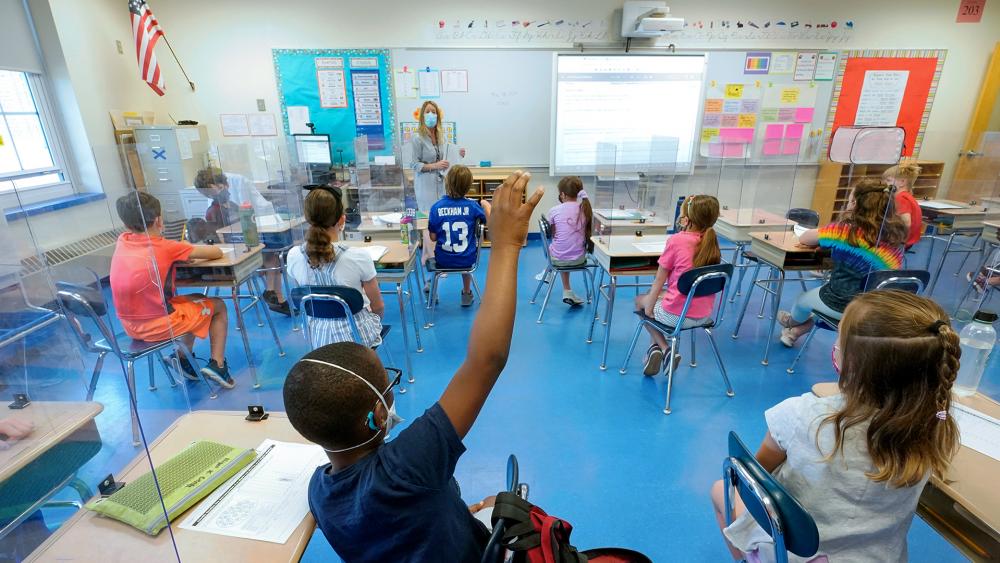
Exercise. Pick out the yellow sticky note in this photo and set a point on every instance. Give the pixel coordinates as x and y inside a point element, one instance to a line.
<point>708,133</point>
<point>748,120</point>
<point>789,95</point>
<point>734,91</point>
<point>1,140</point>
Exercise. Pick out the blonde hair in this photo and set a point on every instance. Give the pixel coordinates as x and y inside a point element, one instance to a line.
<point>702,211</point>
<point>438,138</point>
<point>458,182</point>
<point>908,171</point>
<point>901,358</point>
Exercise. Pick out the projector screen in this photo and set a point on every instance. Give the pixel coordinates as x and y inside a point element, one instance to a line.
<point>634,101</point>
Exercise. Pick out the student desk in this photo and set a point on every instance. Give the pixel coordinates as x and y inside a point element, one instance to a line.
<point>735,225</point>
<point>964,507</point>
<point>277,236</point>
<point>396,266</point>
<point>619,256</point>
<point>237,266</point>
<point>54,422</point>
<point>379,231</point>
<point>961,221</point>
<point>991,231</point>
<point>782,252</point>
<point>89,537</point>
<point>641,221</point>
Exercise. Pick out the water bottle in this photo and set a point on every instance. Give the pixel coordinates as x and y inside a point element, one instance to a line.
<point>977,340</point>
<point>404,225</point>
<point>248,225</point>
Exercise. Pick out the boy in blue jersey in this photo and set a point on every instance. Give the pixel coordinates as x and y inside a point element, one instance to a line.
<point>453,224</point>
<point>398,501</point>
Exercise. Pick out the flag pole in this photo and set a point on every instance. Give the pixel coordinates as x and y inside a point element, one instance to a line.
<point>191,84</point>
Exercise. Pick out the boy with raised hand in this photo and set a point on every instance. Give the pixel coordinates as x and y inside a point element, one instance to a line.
<point>398,501</point>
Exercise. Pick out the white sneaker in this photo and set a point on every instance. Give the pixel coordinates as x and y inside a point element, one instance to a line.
<point>572,299</point>
<point>540,275</point>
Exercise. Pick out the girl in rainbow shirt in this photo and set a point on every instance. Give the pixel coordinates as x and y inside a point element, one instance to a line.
<point>868,237</point>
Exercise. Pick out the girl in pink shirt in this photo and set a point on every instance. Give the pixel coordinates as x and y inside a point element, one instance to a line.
<point>571,226</point>
<point>693,247</point>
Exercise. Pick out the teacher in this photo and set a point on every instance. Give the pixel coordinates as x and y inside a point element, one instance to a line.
<point>430,164</point>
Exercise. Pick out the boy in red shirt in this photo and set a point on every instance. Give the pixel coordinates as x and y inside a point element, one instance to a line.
<point>902,177</point>
<point>142,288</point>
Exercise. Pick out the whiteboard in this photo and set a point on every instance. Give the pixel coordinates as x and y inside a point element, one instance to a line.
<point>504,116</point>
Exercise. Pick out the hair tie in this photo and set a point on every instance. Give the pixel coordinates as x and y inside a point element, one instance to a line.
<point>941,415</point>
<point>335,192</point>
<point>935,327</point>
<point>582,194</point>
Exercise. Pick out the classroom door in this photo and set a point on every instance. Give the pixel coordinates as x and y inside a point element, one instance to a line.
<point>977,173</point>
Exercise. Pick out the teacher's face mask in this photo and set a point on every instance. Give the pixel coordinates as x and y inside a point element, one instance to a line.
<point>430,119</point>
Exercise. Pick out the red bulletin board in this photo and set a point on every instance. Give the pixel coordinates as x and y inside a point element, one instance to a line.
<point>924,72</point>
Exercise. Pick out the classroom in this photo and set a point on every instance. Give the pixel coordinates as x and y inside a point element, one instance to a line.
<point>397,281</point>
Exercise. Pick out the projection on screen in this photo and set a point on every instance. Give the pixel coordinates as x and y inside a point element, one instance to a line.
<point>641,103</point>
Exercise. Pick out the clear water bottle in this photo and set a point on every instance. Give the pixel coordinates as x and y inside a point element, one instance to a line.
<point>977,340</point>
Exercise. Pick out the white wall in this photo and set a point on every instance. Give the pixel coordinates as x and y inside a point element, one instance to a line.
<point>226,45</point>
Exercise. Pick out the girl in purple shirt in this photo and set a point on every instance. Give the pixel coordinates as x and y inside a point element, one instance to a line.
<point>571,225</point>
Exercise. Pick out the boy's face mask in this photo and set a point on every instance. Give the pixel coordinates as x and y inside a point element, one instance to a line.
<point>392,419</point>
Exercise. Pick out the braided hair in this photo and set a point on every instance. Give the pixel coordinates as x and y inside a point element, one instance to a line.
<point>901,357</point>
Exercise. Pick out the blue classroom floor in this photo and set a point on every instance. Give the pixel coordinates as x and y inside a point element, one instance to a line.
<point>593,445</point>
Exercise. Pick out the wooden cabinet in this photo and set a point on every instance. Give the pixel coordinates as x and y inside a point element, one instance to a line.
<point>835,180</point>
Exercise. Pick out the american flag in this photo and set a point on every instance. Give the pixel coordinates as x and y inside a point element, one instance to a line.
<point>146,31</point>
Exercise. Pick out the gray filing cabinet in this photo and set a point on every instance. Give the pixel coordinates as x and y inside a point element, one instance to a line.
<point>171,156</point>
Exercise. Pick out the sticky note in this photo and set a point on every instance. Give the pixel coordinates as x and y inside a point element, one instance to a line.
<point>772,147</point>
<point>749,106</point>
<point>733,150</point>
<point>734,91</point>
<point>715,149</point>
<point>730,120</point>
<point>790,146</point>
<point>803,115</point>
<point>711,120</point>
<point>786,114</point>
<point>736,134</point>
<point>789,95</point>
<point>713,106</point>
<point>769,114</point>
<point>748,120</point>
<point>793,131</point>
<point>709,133</point>
<point>731,106</point>
<point>774,131</point>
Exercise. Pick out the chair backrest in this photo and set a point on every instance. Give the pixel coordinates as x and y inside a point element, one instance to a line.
<point>494,552</point>
<point>804,217</point>
<point>769,503</point>
<point>81,302</point>
<point>327,301</point>
<point>545,230</point>
<point>703,281</point>
<point>913,281</point>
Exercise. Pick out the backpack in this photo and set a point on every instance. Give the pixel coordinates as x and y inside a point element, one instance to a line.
<point>537,537</point>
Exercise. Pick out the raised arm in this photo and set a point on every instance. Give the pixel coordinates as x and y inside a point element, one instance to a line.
<point>489,342</point>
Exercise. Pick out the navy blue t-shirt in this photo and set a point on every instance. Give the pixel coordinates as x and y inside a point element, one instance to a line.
<point>401,503</point>
<point>453,222</point>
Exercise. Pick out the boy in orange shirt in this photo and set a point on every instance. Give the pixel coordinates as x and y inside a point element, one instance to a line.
<point>142,288</point>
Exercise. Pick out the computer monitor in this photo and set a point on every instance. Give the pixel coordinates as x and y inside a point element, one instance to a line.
<point>313,149</point>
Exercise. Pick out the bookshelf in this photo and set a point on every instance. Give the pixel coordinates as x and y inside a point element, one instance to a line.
<point>834,181</point>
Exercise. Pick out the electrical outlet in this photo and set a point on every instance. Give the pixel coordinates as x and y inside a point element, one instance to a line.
<point>121,51</point>
<point>260,105</point>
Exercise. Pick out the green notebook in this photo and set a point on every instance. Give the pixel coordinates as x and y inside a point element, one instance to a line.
<point>184,479</point>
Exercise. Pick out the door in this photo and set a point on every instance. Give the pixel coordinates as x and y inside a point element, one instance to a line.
<point>977,172</point>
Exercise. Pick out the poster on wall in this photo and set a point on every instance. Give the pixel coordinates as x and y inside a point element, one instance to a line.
<point>757,63</point>
<point>805,66</point>
<point>826,66</point>
<point>367,101</point>
<point>881,97</point>
<point>786,114</point>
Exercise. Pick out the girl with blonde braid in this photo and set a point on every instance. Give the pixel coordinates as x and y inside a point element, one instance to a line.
<point>858,461</point>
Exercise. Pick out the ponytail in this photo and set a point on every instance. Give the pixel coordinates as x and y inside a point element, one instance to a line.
<point>707,253</point>
<point>323,209</point>
<point>319,247</point>
<point>702,211</point>
<point>586,217</point>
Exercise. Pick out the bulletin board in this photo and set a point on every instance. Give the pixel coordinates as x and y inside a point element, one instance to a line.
<point>887,88</point>
<point>347,93</point>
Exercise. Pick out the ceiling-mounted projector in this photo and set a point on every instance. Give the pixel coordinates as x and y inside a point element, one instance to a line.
<point>648,19</point>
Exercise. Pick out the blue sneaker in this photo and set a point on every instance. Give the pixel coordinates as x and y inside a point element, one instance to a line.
<point>219,374</point>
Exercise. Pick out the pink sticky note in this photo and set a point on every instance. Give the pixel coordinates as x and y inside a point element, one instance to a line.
<point>793,131</point>
<point>774,131</point>
<point>790,146</point>
<point>772,147</point>
<point>746,134</point>
<point>732,150</point>
<point>786,114</point>
<point>730,120</point>
<point>736,134</point>
<point>803,115</point>
<point>711,120</point>
<point>715,149</point>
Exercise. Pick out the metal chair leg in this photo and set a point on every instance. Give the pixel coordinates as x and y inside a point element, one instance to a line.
<point>694,361</point>
<point>718,360</point>
<point>670,374</point>
<point>167,369</point>
<point>545,302</point>
<point>432,301</point>
<point>588,283</point>
<point>746,302</point>
<point>475,287</point>
<point>270,321</point>
<point>631,347</point>
<point>152,374</point>
<point>802,350</point>
<point>92,388</point>
<point>133,400</point>
<point>541,282</point>
<point>763,302</point>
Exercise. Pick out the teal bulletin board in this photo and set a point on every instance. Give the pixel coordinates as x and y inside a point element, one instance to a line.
<point>348,93</point>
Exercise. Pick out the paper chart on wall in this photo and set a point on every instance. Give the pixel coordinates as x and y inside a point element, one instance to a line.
<point>729,119</point>
<point>805,66</point>
<point>234,124</point>
<point>406,84</point>
<point>454,81</point>
<point>298,116</point>
<point>332,88</point>
<point>881,97</point>
<point>262,124</point>
<point>429,83</point>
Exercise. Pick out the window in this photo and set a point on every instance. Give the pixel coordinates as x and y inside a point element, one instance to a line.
<point>28,157</point>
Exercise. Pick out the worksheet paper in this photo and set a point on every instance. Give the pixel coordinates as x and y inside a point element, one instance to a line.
<point>267,500</point>
<point>939,205</point>
<point>375,251</point>
<point>979,431</point>
<point>389,218</point>
<point>650,247</point>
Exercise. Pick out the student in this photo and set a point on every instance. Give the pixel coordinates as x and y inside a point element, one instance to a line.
<point>696,245</point>
<point>227,192</point>
<point>143,294</point>
<point>868,237</point>
<point>571,222</point>
<point>902,177</point>
<point>398,501</point>
<point>453,224</point>
<point>321,261</point>
<point>858,461</point>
